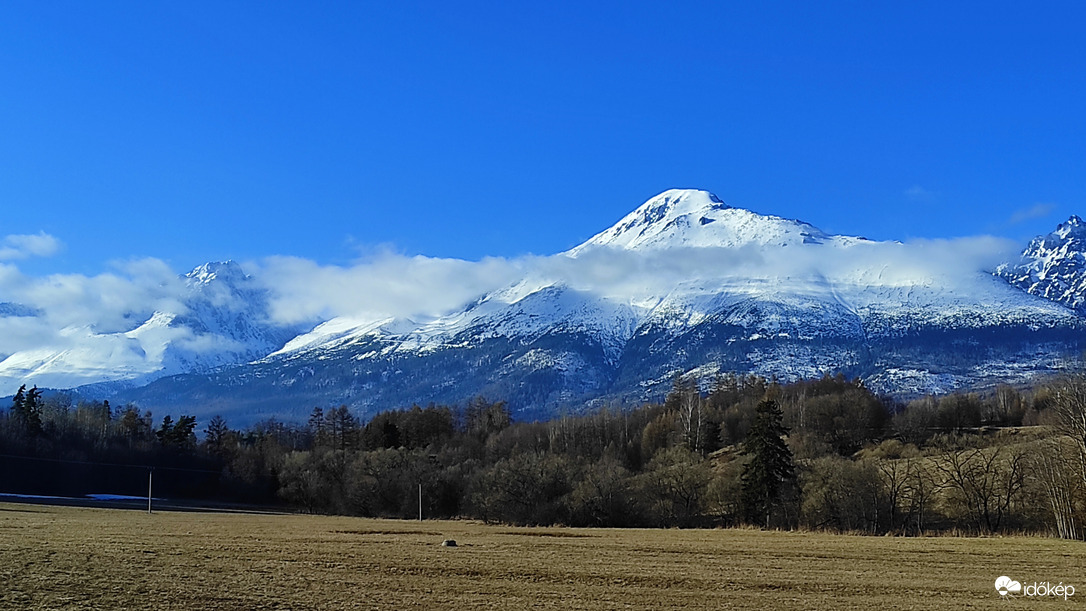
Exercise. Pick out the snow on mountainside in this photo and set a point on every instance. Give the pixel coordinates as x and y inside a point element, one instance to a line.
<point>1054,266</point>
<point>683,285</point>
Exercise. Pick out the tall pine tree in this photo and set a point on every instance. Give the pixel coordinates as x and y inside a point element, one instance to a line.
<point>769,467</point>
<point>26,410</point>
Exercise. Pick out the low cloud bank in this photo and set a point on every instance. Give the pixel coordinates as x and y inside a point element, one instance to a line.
<point>378,287</point>
<point>59,312</point>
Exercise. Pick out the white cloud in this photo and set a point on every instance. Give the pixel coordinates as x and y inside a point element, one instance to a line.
<point>918,193</point>
<point>391,285</point>
<point>25,246</point>
<point>1036,211</point>
<point>384,285</point>
<point>102,304</point>
<point>864,263</point>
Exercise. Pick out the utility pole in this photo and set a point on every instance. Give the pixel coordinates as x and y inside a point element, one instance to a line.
<point>420,502</point>
<point>150,475</point>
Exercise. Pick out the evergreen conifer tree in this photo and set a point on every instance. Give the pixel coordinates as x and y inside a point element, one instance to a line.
<point>165,432</point>
<point>769,465</point>
<point>19,401</point>
<point>216,434</point>
<point>183,432</point>
<point>26,410</point>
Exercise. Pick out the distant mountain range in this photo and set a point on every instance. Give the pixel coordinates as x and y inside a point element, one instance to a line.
<point>683,285</point>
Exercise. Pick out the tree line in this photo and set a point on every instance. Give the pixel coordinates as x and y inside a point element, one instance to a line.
<point>818,454</point>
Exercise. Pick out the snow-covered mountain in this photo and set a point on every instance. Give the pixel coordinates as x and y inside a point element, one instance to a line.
<point>1054,266</point>
<point>219,318</point>
<point>682,285</point>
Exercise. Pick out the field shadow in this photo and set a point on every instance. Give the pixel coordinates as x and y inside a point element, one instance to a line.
<point>13,510</point>
<point>428,533</point>
<point>556,535</point>
<point>163,505</point>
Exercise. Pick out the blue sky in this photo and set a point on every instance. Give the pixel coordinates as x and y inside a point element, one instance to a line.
<point>196,131</point>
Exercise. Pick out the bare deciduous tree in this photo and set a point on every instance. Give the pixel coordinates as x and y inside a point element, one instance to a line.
<point>1069,406</point>
<point>920,489</point>
<point>984,482</point>
<point>1061,485</point>
<point>895,476</point>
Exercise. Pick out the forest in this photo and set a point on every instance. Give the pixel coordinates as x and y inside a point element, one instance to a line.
<point>825,454</point>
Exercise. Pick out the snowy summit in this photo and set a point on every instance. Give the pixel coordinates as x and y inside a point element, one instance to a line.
<point>694,218</point>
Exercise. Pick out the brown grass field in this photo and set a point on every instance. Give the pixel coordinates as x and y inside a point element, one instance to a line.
<point>77,558</point>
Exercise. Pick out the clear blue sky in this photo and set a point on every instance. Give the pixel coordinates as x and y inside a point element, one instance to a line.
<point>194,131</point>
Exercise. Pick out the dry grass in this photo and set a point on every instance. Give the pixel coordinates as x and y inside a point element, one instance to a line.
<point>71,558</point>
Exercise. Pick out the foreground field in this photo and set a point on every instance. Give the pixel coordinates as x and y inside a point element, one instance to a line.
<point>73,558</point>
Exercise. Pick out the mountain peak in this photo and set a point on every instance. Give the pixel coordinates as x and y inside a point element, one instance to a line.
<point>1069,237</point>
<point>681,201</point>
<point>225,270</point>
<point>668,206</point>
<point>697,218</point>
<point>1073,227</point>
